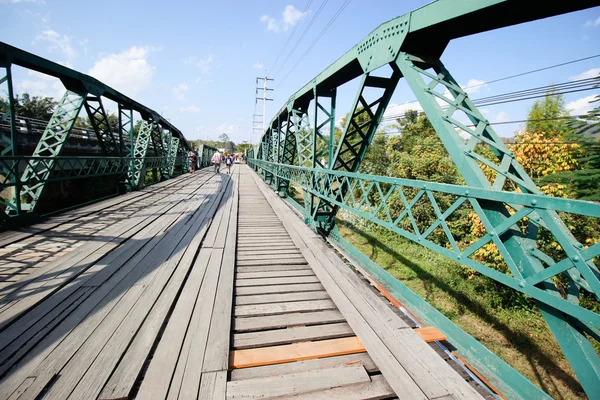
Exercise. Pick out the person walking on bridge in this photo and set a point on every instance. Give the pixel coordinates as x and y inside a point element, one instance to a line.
<point>216,160</point>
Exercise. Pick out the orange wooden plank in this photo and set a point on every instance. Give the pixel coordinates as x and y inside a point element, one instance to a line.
<point>295,352</point>
<point>430,334</point>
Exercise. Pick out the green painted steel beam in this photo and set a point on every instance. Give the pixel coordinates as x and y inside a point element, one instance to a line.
<point>82,83</point>
<point>99,119</point>
<point>137,170</point>
<point>50,145</point>
<point>426,31</point>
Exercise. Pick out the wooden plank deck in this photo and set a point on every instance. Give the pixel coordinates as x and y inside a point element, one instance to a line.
<point>206,287</point>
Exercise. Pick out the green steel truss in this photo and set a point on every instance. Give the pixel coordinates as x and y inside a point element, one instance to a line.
<point>126,130</point>
<point>137,172</point>
<point>50,145</point>
<point>99,120</point>
<point>27,176</point>
<point>509,206</point>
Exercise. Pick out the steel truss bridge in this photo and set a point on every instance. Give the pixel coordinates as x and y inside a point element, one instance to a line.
<point>219,286</point>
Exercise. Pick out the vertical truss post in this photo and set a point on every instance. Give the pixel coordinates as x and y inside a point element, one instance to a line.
<point>126,130</point>
<point>137,172</point>
<point>289,150</point>
<point>51,143</point>
<point>99,120</point>
<point>324,141</point>
<point>160,150</point>
<point>173,145</point>
<point>518,251</point>
<point>8,145</point>
<point>356,137</point>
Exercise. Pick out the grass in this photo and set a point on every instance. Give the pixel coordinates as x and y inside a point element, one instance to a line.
<point>505,321</point>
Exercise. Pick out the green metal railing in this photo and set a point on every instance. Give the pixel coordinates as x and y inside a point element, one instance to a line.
<point>300,146</point>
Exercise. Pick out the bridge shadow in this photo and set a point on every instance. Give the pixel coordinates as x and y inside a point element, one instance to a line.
<point>47,246</point>
<point>30,320</point>
<point>521,342</point>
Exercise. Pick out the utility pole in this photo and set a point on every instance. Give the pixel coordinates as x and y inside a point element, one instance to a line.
<point>264,99</point>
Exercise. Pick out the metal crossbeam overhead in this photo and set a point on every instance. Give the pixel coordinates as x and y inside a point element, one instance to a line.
<point>410,47</point>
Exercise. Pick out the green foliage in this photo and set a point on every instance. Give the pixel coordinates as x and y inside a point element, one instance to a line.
<point>35,107</point>
<point>544,113</point>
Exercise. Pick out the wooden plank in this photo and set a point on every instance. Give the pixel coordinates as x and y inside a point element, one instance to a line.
<point>263,257</point>
<point>274,274</point>
<point>297,383</point>
<point>216,357</point>
<point>435,378</point>
<point>280,298</point>
<point>257,310</point>
<point>123,379</point>
<point>305,287</point>
<point>279,261</point>
<point>302,366</point>
<point>430,334</point>
<point>378,388</point>
<point>186,380</point>
<point>295,352</point>
<point>399,379</point>
<point>282,321</point>
<point>239,283</point>
<point>293,334</point>
<point>117,291</point>
<point>266,268</point>
<point>213,385</point>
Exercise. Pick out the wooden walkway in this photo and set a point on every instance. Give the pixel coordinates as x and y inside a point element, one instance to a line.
<point>206,286</point>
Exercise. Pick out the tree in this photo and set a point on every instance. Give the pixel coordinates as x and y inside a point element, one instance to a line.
<point>35,107</point>
<point>223,137</point>
<point>544,116</point>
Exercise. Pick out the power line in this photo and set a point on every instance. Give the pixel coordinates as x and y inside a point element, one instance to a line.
<point>331,21</point>
<point>527,94</point>
<point>310,24</point>
<point>291,35</point>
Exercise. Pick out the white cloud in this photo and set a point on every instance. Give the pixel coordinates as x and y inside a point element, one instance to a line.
<point>289,18</point>
<point>26,1</point>
<point>398,110</point>
<point>590,73</point>
<point>258,65</point>
<point>473,86</point>
<point>200,80</point>
<point>484,111</point>
<point>591,23</point>
<point>179,91</point>
<point>192,109</point>
<point>581,106</point>
<point>56,43</point>
<point>205,63</point>
<point>128,72</point>
<point>502,117</point>
<point>44,86</point>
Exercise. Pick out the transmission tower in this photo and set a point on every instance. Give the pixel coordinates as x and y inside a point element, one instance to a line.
<point>260,120</point>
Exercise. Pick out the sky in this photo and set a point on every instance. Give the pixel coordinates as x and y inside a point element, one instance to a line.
<point>196,62</point>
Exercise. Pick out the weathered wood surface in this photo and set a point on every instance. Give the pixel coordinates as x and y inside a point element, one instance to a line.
<point>204,286</point>
<point>410,366</point>
<point>86,324</point>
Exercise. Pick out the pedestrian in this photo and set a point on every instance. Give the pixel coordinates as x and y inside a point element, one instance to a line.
<point>228,162</point>
<point>216,160</point>
<point>196,166</point>
<point>192,160</point>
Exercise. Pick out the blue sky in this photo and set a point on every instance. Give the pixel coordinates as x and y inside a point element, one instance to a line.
<point>196,61</point>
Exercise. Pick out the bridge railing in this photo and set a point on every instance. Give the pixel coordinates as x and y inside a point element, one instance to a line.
<point>389,203</point>
<point>127,149</point>
<point>300,145</point>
